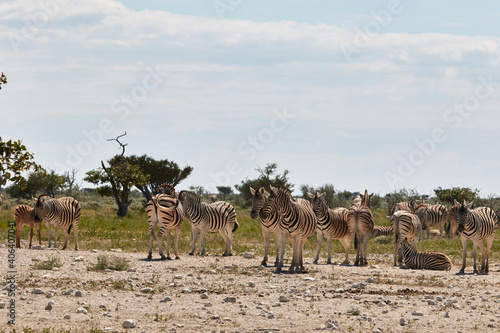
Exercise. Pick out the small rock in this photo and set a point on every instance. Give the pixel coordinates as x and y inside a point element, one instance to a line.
<point>230,300</point>
<point>309,279</point>
<point>78,293</point>
<point>48,307</point>
<point>166,299</point>
<point>251,284</point>
<point>204,296</point>
<point>186,291</point>
<point>215,317</point>
<point>2,305</point>
<point>370,280</point>
<point>10,286</point>
<point>129,323</point>
<point>67,292</point>
<point>81,310</point>
<point>80,258</point>
<point>284,298</point>
<point>38,291</point>
<point>67,317</point>
<point>146,290</point>
<point>447,314</point>
<point>381,303</point>
<point>359,285</point>
<point>403,322</point>
<point>417,313</point>
<point>248,255</point>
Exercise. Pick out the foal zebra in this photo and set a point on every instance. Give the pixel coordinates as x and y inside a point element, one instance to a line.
<point>360,220</point>
<point>423,260</point>
<point>452,221</point>
<point>332,223</point>
<point>430,216</point>
<point>165,211</point>
<point>218,216</point>
<point>478,225</point>
<point>64,212</point>
<point>298,221</point>
<point>404,225</point>
<point>269,225</point>
<point>379,230</point>
<point>24,215</point>
<point>404,206</point>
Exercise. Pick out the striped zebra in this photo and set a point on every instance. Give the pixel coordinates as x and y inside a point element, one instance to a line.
<point>360,220</point>
<point>431,216</point>
<point>332,223</point>
<point>478,225</point>
<point>24,215</point>
<point>414,259</point>
<point>298,222</point>
<point>218,216</point>
<point>269,225</point>
<point>404,225</point>
<point>164,210</point>
<point>452,221</point>
<point>404,206</point>
<point>64,212</point>
<point>379,230</point>
<point>1,201</point>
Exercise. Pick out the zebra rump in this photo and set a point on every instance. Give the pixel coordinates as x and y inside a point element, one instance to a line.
<point>414,259</point>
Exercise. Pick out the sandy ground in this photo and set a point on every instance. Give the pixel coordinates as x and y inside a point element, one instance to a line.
<point>236,294</point>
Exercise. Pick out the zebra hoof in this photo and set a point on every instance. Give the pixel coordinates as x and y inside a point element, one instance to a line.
<point>191,253</point>
<point>163,258</point>
<point>461,272</point>
<point>328,262</point>
<point>168,258</point>
<point>177,257</point>
<point>264,263</point>
<point>150,257</point>
<point>315,261</point>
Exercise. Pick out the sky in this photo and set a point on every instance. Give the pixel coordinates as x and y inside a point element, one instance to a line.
<point>379,95</point>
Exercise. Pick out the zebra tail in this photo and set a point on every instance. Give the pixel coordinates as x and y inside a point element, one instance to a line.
<point>235,226</point>
<point>356,241</point>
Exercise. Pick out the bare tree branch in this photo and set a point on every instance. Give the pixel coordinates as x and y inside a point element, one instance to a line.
<point>122,145</point>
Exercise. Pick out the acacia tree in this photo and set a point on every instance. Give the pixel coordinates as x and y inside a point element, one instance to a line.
<point>14,160</point>
<point>158,172</point>
<point>268,176</point>
<point>117,179</point>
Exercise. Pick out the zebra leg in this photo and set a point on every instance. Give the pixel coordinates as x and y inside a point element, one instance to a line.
<point>346,241</point>
<point>484,254</point>
<point>464,255</point>
<point>75,227</point>
<point>357,246</point>
<point>31,232</point>
<point>301,259</point>
<point>474,253</point>
<point>177,233</point>
<point>329,249</point>
<point>47,225</point>
<point>39,226</point>
<point>265,234</point>
<point>225,236</point>
<point>66,237</point>
<point>56,228</point>
<point>319,234</point>
<point>194,236</point>
<point>203,236</point>
<point>168,245</point>
<point>151,239</point>
<point>282,251</point>
<point>396,252</point>
<point>159,239</point>
<point>487,251</point>
<point>277,242</point>
<point>293,241</point>
<point>365,249</point>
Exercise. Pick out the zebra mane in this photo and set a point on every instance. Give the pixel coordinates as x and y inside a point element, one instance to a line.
<point>191,195</point>
<point>167,189</point>
<point>419,206</point>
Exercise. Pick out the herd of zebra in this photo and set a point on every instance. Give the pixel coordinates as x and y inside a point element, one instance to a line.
<point>289,218</point>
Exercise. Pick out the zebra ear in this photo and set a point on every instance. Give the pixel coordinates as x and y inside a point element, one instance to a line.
<point>252,191</point>
<point>273,189</point>
<point>469,205</point>
<point>456,202</point>
<point>310,195</point>
<point>322,195</point>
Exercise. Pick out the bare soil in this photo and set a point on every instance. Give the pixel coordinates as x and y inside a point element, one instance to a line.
<point>237,294</point>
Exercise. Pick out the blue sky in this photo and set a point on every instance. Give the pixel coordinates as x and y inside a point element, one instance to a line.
<point>382,95</point>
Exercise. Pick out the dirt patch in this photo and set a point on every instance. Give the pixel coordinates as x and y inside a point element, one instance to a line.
<point>236,294</point>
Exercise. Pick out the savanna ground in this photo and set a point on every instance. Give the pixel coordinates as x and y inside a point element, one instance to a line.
<point>110,280</point>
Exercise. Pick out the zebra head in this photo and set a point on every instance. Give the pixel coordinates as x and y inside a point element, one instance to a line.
<point>366,199</point>
<point>318,202</point>
<point>167,189</point>
<point>420,211</point>
<point>187,199</point>
<point>38,209</point>
<point>259,197</point>
<point>278,198</point>
<point>462,213</point>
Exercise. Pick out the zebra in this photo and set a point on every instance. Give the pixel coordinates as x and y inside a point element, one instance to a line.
<point>298,222</point>
<point>414,259</point>
<point>379,230</point>
<point>332,224</point>
<point>407,225</point>
<point>24,215</point>
<point>452,221</point>
<point>269,225</point>
<point>478,225</point>
<point>1,201</point>
<point>165,211</point>
<point>360,220</point>
<point>404,206</point>
<point>432,215</point>
<point>64,212</point>
<point>218,216</point>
